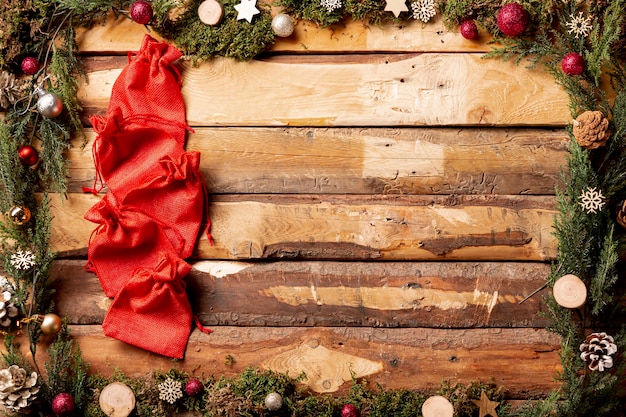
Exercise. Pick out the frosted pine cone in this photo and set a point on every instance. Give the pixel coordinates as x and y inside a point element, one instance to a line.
<point>621,215</point>
<point>591,129</point>
<point>17,389</point>
<point>9,89</point>
<point>597,350</point>
<point>7,309</point>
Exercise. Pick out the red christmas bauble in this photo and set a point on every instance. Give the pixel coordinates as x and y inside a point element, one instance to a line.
<point>513,19</point>
<point>468,29</point>
<point>194,387</point>
<point>141,12</point>
<point>63,404</point>
<point>30,65</point>
<point>573,64</point>
<point>349,410</point>
<point>28,155</point>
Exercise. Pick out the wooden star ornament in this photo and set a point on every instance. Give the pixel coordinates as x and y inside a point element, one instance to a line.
<point>396,7</point>
<point>246,10</point>
<point>486,407</point>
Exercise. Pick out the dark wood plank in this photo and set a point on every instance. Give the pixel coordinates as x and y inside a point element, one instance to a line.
<point>379,294</point>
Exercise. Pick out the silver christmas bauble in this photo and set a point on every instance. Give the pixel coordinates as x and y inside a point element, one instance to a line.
<point>283,25</point>
<point>49,104</point>
<point>273,401</point>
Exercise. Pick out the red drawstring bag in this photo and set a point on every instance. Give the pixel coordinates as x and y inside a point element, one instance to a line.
<point>152,310</point>
<point>151,217</point>
<point>124,241</point>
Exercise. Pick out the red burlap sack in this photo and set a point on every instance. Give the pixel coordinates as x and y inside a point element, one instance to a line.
<point>175,196</point>
<point>124,241</point>
<point>150,219</point>
<point>152,310</point>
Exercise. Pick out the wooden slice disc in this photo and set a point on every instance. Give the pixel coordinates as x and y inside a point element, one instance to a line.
<point>437,406</point>
<point>210,12</point>
<point>117,400</point>
<point>569,291</point>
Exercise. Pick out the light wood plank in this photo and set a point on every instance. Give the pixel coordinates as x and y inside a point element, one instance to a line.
<point>354,227</point>
<point>416,358</point>
<point>121,35</point>
<point>367,160</point>
<point>380,294</point>
<point>381,90</point>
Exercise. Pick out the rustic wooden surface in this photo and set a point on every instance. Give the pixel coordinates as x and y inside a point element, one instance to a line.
<point>381,198</point>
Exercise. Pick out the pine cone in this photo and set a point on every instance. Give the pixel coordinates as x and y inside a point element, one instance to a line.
<point>9,89</point>
<point>17,389</point>
<point>621,215</point>
<point>597,350</point>
<point>591,129</point>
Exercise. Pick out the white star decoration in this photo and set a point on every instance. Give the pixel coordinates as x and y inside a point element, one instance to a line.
<point>591,200</point>
<point>396,7</point>
<point>246,10</point>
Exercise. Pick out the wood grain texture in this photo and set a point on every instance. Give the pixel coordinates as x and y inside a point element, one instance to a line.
<point>398,358</point>
<point>366,160</point>
<point>121,35</point>
<point>353,227</point>
<point>332,294</point>
<point>369,90</point>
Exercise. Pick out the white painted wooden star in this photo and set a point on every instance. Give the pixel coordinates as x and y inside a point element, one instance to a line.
<point>246,10</point>
<point>396,7</point>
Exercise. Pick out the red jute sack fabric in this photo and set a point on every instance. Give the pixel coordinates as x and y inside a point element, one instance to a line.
<point>152,310</point>
<point>125,240</point>
<point>150,219</point>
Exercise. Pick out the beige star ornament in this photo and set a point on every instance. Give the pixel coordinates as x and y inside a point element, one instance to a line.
<point>486,407</point>
<point>246,10</point>
<point>396,7</point>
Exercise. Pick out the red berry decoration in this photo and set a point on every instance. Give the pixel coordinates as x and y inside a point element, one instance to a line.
<point>349,410</point>
<point>141,12</point>
<point>573,64</point>
<point>30,65</point>
<point>63,404</point>
<point>28,155</point>
<point>194,387</point>
<point>513,19</point>
<point>468,29</point>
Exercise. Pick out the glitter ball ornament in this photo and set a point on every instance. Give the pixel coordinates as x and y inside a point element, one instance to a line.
<point>573,64</point>
<point>19,215</point>
<point>349,410</point>
<point>468,29</point>
<point>30,65</point>
<point>49,104</point>
<point>273,401</point>
<point>194,387</point>
<point>63,404</point>
<point>283,25</point>
<point>141,12</point>
<point>28,155</point>
<point>512,19</point>
<point>51,324</point>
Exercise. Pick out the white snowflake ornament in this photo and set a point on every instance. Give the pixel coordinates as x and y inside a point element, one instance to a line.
<point>579,25</point>
<point>170,390</point>
<point>423,10</point>
<point>23,260</point>
<point>591,200</point>
<point>331,5</point>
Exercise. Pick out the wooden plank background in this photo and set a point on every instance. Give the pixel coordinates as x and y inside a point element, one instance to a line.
<point>382,200</point>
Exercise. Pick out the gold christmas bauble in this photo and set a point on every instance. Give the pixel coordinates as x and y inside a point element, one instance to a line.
<point>51,324</point>
<point>19,215</point>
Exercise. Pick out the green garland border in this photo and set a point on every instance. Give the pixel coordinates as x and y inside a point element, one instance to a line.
<point>589,244</point>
